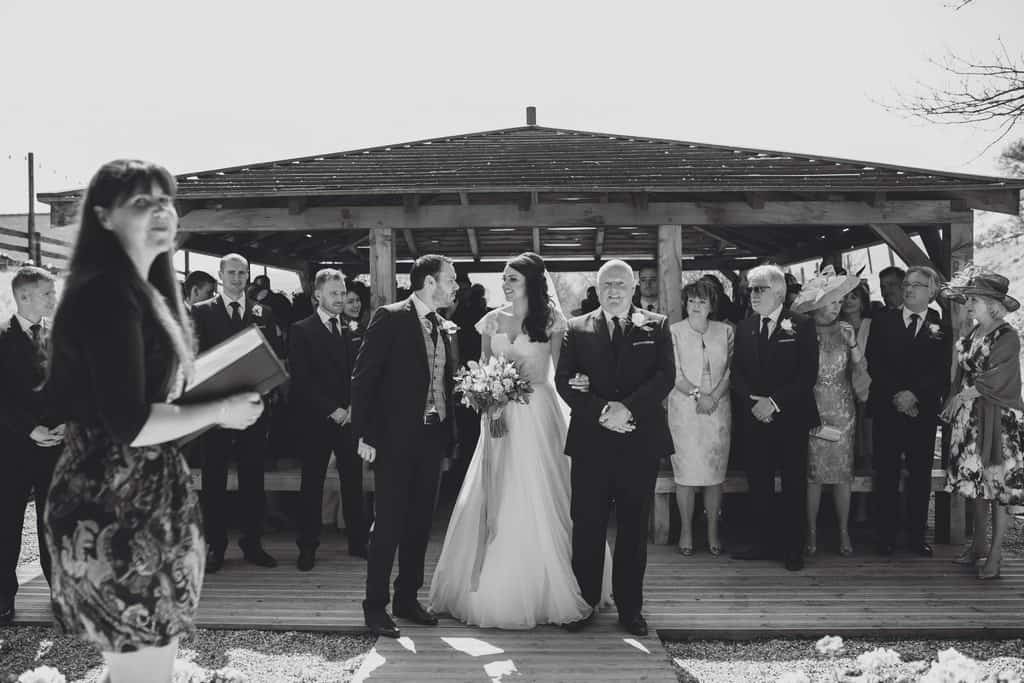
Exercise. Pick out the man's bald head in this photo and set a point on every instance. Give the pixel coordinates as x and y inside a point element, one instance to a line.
<point>234,275</point>
<point>615,284</point>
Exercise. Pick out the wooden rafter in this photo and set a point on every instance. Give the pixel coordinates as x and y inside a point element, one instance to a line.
<point>755,200</point>
<point>536,240</point>
<point>1006,201</point>
<point>599,243</point>
<point>474,245</point>
<point>900,242</point>
<point>297,205</point>
<point>410,242</point>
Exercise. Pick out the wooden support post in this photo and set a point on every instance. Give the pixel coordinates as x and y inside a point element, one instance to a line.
<point>599,243</point>
<point>382,266</point>
<point>670,273</point>
<point>410,242</point>
<point>536,241</point>
<point>474,244</point>
<point>950,510</point>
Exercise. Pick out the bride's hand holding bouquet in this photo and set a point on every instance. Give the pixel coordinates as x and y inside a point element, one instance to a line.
<point>490,386</point>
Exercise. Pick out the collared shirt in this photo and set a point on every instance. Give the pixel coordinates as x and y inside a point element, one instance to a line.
<point>611,325</point>
<point>773,318</point>
<point>649,304</point>
<point>421,308</point>
<point>227,304</point>
<point>26,325</point>
<point>920,318</point>
<point>326,317</point>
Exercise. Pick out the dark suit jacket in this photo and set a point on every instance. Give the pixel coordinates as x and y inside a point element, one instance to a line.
<point>391,380</point>
<point>321,372</point>
<point>640,379</point>
<point>895,362</point>
<point>214,326</point>
<point>22,408</point>
<point>788,373</point>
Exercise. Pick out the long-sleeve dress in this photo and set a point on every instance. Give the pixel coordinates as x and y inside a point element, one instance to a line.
<point>987,443</point>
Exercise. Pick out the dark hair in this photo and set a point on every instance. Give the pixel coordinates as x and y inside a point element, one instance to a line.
<point>702,289</point>
<point>261,281</point>
<point>197,278</point>
<point>892,270</point>
<point>428,264</point>
<point>864,296</point>
<point>98,251</point>
<point>30,275</point>
<point>538,306</point>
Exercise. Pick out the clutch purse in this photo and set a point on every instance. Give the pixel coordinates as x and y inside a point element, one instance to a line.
<point>827,433</point>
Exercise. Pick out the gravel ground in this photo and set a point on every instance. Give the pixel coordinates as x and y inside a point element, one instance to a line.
<point>718,661</point>
<point>263,656</point>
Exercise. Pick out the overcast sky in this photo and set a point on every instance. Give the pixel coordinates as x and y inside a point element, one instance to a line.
<point>198,85</point>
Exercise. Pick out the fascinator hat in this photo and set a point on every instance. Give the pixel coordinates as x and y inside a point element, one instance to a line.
<point>825,288</point>
<point>976,281</point>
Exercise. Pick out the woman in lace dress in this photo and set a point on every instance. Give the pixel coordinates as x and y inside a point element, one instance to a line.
<point>699,412</point>
<point>831,446</point>
<point>986,451</point>
<point>506,559</point>
<point>121,518</point>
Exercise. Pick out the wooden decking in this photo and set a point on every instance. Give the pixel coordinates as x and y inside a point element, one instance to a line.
<point>697,597</point>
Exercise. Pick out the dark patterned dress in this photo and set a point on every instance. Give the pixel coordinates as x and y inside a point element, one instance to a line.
<point>123,523</point>
<point>987,444</point>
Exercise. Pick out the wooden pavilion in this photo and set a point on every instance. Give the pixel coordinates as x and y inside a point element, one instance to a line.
<point>576,198</point>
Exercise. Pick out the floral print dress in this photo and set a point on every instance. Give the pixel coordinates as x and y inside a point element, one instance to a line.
<point>1002,479</point>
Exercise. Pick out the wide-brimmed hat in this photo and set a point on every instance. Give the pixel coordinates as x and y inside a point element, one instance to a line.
<point>825,288</point>
<point>991,285</point>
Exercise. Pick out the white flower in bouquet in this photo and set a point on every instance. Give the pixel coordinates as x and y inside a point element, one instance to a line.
<point>42,674</point>
<point>878,658</point>
<point>829,645</point>
<point>489,387</point>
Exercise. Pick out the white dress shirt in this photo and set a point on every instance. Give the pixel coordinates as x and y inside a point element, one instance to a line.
<point>227,304</point>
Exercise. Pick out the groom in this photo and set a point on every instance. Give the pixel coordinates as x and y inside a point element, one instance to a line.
<point>615,369</point>
<point>401,387</point>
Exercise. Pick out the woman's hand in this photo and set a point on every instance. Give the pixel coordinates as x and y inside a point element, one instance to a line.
<point>240,411</point>
<point>848,334</point>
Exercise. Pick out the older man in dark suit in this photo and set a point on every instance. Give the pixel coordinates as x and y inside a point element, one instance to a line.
<point>774,368</point>
<point>908,354</point>
<point>319,357</point>
<point>216,320</point>
<point>30,429</point>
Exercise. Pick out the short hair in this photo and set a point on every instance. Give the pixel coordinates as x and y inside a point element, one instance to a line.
<point>648,266</point>
<point>30,275</point>
<point>701,289</point>
<point>428,264</point>
<point>232,257</point>
<point>198,278</point>
<point>996,308</point>
<point>892,270</point>
<point>934,279</point>
<point>772,273</point>
<point>264,279</point>
<point>325,275</point>
<point>614,264</point>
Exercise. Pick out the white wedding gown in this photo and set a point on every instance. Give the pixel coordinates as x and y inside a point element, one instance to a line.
<point>523,576</point>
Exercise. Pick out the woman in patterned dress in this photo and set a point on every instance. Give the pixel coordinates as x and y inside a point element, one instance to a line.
<point>840,358</point>
<point>699,412</point>
<point>986,448</point>
<point>122,520</point>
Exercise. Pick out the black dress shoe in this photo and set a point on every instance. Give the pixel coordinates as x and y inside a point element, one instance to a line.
<point>6,610</point>
<point>416,613</point>
<point>214,561</point>
<point>922,549</point>
<point>579,624</point>
<point>885,548</point>
<point>380,624</point>
<point>635,625</point>
<point>307,558</point>
<point>255,554</point>
<point>794,562</point>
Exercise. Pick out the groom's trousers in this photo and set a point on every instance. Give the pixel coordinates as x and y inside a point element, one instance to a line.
<point>626,475</point>
<point>405,486</point>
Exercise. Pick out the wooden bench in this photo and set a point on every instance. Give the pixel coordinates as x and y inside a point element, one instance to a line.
<point>736,482</point>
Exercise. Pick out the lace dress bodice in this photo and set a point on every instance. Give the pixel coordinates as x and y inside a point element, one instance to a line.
<point>534,358</point>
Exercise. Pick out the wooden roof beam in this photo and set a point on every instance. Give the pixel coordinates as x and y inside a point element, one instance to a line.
<point>474,244</point>
<point>411,203</point>
<point>715,235</point>
<point>639,200</point>
<point>464,198</point>
<point>297,205</point>
<point>755,200</point>
<point>1001,201</point>
<point>599,243</point>
<point>410,242</point>
<point>936,247</point>
<point>536,240</point>
<point>876,200</point>
<point>900,242</point>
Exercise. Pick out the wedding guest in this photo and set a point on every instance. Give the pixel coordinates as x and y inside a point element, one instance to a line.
<point>793,288</point>
<point>321,368</point>
<point>262,294</point>
<point>647,287</point>
<point>908,358</point>
<point>590,301</point>
<point>987,415</point>
<point>30,428</point>
<point>890,280</point>
<point>856,311</point>
<point>699,413</point>
<point>216,320</point>
<point>773,374</point>
<point>199,286</point>
<point>122,521</point>
<point>830,448</point>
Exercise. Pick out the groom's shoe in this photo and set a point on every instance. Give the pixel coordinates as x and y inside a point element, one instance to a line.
<point>635,624</point>
<point>416,613</point>
<point>580,624</point>
<point>380,624</point>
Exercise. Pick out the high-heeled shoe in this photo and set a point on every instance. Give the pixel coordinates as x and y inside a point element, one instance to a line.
<point>685,550</point>
<point>715,550</point>
<point>984,576</point>
<point>810,549</point>
<point>845,545</point>
<point>969,556</point>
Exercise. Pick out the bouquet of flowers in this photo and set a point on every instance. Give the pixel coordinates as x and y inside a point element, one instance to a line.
<point>488,387</point>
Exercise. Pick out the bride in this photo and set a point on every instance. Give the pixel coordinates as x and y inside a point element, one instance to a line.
<point>506,560</point>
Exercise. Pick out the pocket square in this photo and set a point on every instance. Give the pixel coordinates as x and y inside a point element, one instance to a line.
<point>786,341</point>
<point>641,343</point>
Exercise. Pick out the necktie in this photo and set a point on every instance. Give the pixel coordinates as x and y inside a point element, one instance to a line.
<point>432,317</point>
<point>39,359</point>
<point>912,325</point>
<point>334,326</point>
<point>762,339</point>
<point>35,330</point>
<point>236,316</point>
<point>616,334</point>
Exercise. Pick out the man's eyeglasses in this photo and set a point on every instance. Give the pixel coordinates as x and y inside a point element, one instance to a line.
<point>915,285</point>
<point>760,289</point>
